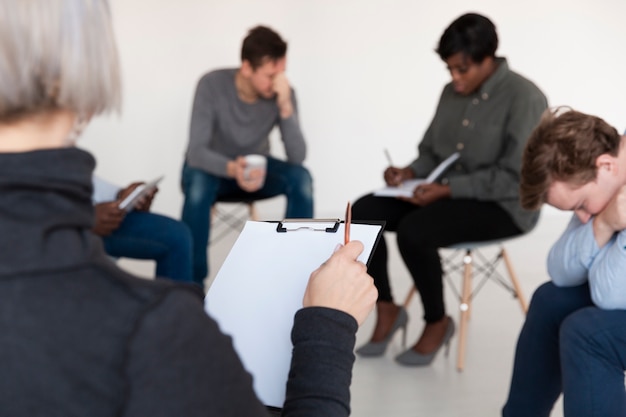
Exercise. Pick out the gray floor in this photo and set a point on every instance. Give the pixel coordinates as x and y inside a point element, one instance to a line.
<point>383,388</point>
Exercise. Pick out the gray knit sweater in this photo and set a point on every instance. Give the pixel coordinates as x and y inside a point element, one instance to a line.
<point>224,127</point>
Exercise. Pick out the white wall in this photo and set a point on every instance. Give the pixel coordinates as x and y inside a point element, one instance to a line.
<point>364,71</point>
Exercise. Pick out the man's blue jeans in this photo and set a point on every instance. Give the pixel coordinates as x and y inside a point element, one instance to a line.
<point>202,190</point>
<point>568,345</point>
<point>145,235</point>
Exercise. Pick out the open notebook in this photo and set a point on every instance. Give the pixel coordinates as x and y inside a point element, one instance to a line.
<point>406,188</point>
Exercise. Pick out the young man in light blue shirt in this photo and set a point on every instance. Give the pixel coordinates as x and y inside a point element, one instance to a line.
<point>574,337</point>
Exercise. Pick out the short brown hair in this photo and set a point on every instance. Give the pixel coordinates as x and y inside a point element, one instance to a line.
<point>260,44</point>
<point>563,147</point>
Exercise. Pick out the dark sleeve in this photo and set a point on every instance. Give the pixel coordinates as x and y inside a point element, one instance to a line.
<point>500,180</point>
<point>181,364</point>
<point>321,364</point>
<point>426,160</point>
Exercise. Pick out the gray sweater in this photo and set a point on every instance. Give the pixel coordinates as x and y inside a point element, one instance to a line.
<point>224,127</point>
<point>489,128</point>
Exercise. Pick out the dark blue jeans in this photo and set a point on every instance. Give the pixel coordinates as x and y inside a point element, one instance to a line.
<point>144,235</point>
<point>568,345</point>
<point>202,190</point>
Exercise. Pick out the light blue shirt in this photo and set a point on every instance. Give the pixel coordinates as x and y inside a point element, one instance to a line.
<point>576,258</point>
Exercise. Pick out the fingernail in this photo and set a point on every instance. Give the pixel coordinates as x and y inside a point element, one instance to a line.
<point>339,245</point>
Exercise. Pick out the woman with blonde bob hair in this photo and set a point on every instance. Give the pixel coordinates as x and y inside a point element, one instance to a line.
<point>80,337</point>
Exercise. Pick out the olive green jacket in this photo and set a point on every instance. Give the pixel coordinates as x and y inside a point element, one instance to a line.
<point>489,128</point>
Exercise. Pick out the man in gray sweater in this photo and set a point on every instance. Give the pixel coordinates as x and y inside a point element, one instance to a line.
<point>233,113</point>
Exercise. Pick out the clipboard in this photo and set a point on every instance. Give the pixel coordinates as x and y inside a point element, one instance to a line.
<point>260,287</point>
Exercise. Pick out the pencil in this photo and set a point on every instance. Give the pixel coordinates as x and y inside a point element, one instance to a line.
<point>388,157</point>
<point>347,222</point>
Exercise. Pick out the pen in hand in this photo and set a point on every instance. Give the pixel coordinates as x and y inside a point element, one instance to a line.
<point>388,157</point>
<point>347,222</point>
<point>392,175</point>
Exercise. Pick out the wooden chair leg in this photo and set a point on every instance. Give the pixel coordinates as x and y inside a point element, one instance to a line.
<point>468,260</point>
<point>254,215</point>
<point>515,282</point>
<point>465,309</point>
<point>409,297</point>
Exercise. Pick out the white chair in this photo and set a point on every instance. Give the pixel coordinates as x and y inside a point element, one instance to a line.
<point>475,270</point>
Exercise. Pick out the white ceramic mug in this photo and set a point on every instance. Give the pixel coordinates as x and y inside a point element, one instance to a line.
<point>255,162</point>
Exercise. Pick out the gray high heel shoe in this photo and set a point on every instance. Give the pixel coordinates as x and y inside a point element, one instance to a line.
<point>378,348</point>
<point>413,358</point>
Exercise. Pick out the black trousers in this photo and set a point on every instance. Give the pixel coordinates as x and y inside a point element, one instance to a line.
<point>421,231</point>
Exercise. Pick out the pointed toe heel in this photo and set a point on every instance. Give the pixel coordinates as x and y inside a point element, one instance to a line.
<point>373,349</point>
<point>413,358</point>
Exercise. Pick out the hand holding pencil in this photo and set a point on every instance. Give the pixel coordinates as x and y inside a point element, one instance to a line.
<point>342,283</point>
<point>394,176</point>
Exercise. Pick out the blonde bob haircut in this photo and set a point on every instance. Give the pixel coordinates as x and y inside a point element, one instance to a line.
<point>57,55</point>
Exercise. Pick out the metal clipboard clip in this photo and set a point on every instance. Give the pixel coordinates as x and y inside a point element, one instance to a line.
<point>315,225</point>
